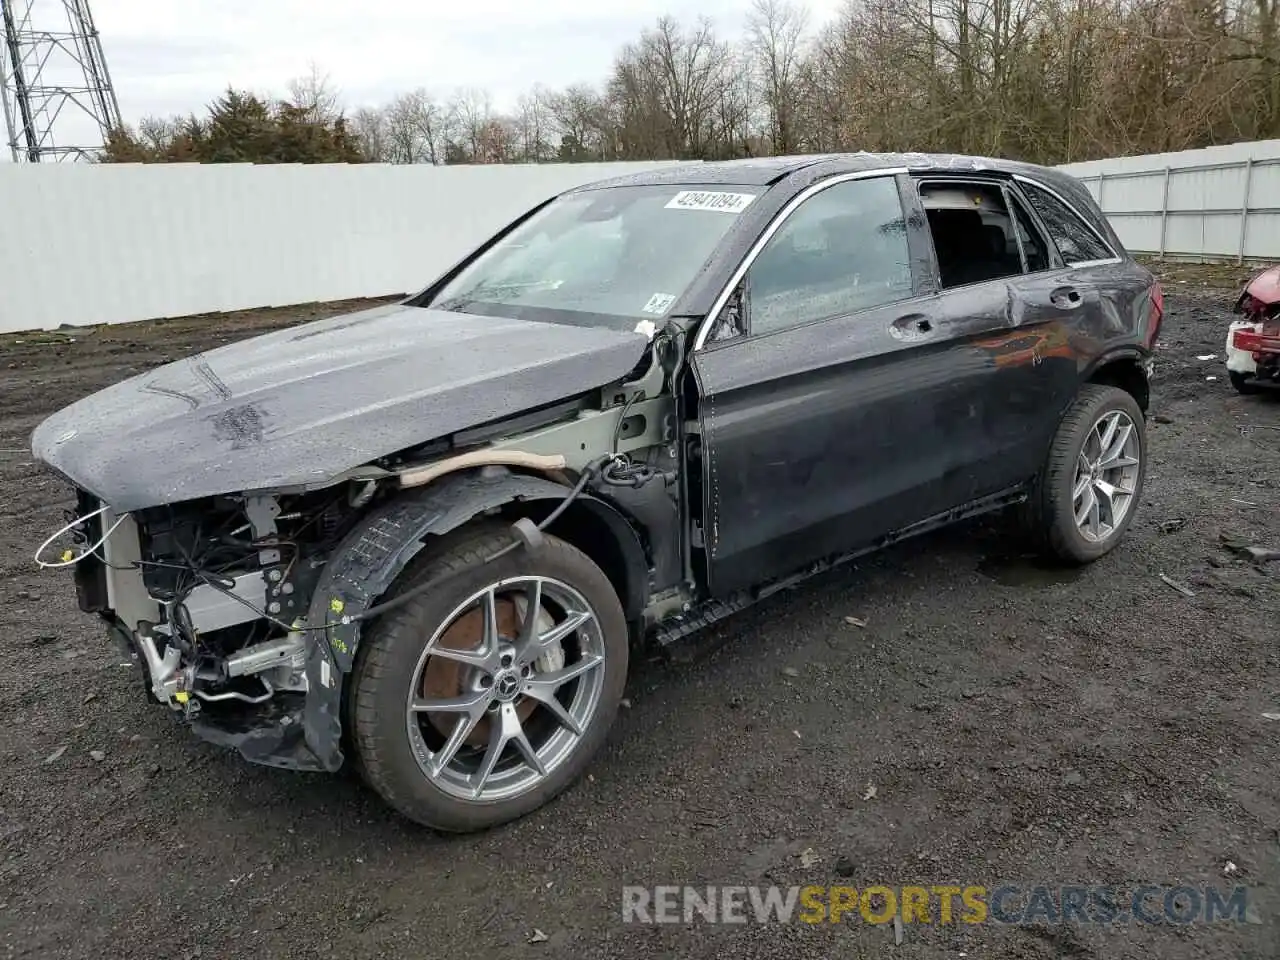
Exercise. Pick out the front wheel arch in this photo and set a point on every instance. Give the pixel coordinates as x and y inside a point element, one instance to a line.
<point>605,534</point>
<point>391,744</point>
<point>373,556</point>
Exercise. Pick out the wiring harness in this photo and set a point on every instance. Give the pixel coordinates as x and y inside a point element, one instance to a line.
<point>613,469</point>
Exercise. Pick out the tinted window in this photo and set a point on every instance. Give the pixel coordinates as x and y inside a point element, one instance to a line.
<point>842,250</point>
<point>1032,242</point>
<point>1076,242</point>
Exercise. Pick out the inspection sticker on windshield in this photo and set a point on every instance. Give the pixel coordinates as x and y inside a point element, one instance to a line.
<point>710,200</point>
<point>659,303</point>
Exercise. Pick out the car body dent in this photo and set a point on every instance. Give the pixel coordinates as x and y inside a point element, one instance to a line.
<point>840,431</point>
<point>835,434</point>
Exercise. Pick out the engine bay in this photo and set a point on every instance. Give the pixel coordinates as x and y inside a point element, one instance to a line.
<point>211,594</point>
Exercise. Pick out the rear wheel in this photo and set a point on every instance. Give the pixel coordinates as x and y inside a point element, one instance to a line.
<point>479,702</point>
<point>1093,477</point>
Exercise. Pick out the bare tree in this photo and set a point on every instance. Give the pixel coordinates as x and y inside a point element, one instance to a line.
<point>470,110</point>
<point>157,132</point>
<point>733,121</point>
<point>497,141</point>
<point>371,130</point>
<point>578,115</point>
<point>669,86</point>
<point>315,95</point>
<point>776,35</point>
<point>1043,80</point>
<point>535,125</point>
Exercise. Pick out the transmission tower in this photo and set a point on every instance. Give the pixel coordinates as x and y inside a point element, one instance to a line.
<point>58,100</point>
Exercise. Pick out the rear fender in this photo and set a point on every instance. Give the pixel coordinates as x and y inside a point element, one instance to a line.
<point>366,564</point>
<point>1117,354</point>
<point>1129,368</point>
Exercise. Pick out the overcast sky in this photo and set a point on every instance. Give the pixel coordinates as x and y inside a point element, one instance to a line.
<point>174,56</point>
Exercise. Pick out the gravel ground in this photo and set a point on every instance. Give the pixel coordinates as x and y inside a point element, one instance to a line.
<point>1018,724</point>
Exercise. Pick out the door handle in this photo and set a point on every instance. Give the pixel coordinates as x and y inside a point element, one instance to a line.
<point>912,326</point>
<point>1066,298</point>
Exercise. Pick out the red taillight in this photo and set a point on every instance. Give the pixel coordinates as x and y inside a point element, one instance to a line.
<point>1157,314</point>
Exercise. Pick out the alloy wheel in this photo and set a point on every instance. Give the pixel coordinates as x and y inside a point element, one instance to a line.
<point>1106,476</point>
<point>505,688</point>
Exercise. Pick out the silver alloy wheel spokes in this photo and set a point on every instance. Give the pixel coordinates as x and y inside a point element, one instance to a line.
<point>1106,476</point>
<point>531,695</point>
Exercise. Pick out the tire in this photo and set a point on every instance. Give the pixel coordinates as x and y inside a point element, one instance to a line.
<point>1051,514</point>
<point>1243,383</point>
<point>393,661</point>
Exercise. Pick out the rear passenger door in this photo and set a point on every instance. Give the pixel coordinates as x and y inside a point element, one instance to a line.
<point>1066,299</point>
<point>1009,298</point>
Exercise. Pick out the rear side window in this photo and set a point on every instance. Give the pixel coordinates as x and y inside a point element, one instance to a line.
<point>975,237</point>
<point>1032,243</point>
<point>1075,240</point>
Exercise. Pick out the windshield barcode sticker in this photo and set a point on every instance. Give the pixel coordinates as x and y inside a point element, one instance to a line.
<point>710,200</point>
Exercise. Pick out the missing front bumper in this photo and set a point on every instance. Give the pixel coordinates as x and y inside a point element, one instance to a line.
<point>272,733</point>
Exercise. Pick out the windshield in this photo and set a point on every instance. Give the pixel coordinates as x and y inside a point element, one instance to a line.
<point>608,257</point>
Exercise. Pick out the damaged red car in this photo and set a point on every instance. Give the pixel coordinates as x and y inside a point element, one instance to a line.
<point>426,539</point>
<point>1253,342</point>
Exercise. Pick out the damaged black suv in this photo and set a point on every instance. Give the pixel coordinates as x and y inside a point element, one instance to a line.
<point>424,538</point>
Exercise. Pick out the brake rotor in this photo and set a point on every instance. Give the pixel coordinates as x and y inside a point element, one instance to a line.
<point>443,678</point>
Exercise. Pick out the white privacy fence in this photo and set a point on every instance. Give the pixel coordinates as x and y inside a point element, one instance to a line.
<point>1219,203</point>
<point>90,244</point>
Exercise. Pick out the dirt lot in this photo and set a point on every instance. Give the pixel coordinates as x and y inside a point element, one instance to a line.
<point>1018,725</point>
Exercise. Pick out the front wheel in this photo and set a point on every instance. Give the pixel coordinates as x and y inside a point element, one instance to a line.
<point>1093,477</point>
<point>479,702</point>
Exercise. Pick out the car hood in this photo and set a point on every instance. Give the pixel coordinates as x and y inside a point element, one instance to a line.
<point>303,404</point>
<point>1265,287</point>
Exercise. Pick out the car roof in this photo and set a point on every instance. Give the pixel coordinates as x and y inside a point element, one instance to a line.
<point>756,171</point>
<point>766,171</point>
<point>760,171</point>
